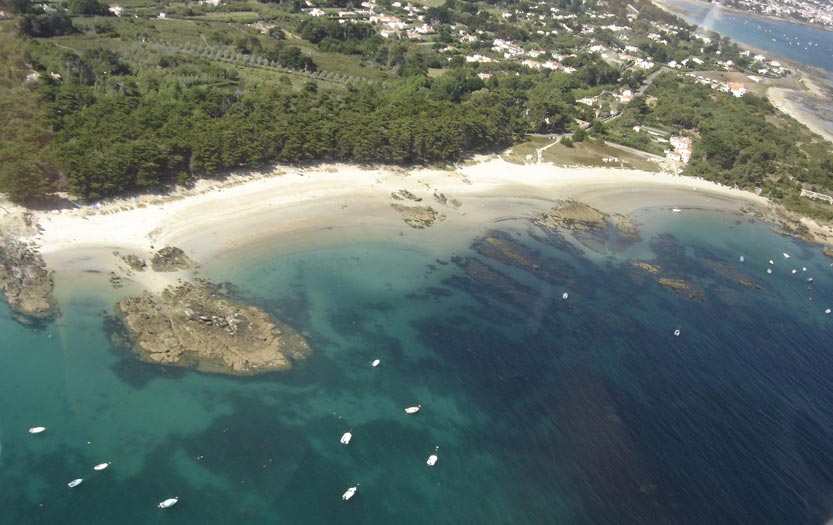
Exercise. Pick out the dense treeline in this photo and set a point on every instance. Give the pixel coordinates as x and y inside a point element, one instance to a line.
<point>151,108</point>
<point>110,143</point>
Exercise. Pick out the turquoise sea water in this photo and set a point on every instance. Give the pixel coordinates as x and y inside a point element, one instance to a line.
<point>588,410</point>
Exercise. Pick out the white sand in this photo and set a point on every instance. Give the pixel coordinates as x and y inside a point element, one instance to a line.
<point>343,204</point>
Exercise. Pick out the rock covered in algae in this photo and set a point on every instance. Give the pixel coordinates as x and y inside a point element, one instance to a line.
<point>682,286</point>
<point>573,215</point>
<point>171,259</point>
<point>193,325</point>
<point>418,217</point>
<point>648,267</point>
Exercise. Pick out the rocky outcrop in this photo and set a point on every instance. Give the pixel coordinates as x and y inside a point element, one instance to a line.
<point>682,287</point>
<point>678,285</point>
<point>648,267</point>
<point>750,284</point>
<point>136,263</point>
<point>573,215</point>
<point>194,325</point>
<point>171,259</point>
<point>405,194</point>
<point>26,283</point>
<point>418,216</point>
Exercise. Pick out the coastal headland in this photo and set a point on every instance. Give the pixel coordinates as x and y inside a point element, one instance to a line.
<point>130,240</point>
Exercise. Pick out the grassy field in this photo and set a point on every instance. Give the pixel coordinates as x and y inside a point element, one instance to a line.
<point>525,152</point>
<point>581,154</point>
<point>593,154</point>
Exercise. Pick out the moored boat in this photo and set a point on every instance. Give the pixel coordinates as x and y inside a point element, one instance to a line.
<point>345,439</point>
<point>168,503</point>
<point>432,459</point>
<point>413,410</point>
<point>74,483</point>
<point>36,430</point>
<point>101,466</point>
<point>350,492</point>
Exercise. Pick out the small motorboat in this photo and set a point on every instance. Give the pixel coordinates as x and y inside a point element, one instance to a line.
<point>769,270</point>
<point>350,492</point>
<point>432,459</point>
<point>565,296</point>
<point>36,430</point>
<point>413,410</point>
<point>742,258</point>
<point>803,268</point>
<point>827,311</point>
<point>794,271</point>
<point>786,256</point>
<point>676,210</point>
<point>345,439</point>
<point>74,483</point>
<point>168,503</point>
<point>771,261</point>
<point>375,362</point>
<point>102,466</point>
<point>677,332</point>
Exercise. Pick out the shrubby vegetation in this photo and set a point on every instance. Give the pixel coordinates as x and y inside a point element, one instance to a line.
<point>739,141</point>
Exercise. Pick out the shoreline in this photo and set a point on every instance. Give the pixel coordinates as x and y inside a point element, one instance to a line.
<point>337,203</point>
<point>771,18</point>
<point>778,96</point>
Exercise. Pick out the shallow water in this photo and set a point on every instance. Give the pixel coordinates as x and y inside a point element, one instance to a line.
<point>545,411</point>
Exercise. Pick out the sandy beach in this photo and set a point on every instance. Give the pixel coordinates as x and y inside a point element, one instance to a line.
<point>785,100</point>
<point>333,204</point>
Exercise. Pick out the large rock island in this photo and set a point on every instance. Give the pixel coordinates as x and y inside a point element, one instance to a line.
<point>194,325</point>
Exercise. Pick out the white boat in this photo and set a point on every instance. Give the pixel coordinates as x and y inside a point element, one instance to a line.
<point>827,311</point>
<point>742,258</point>
<point>676,210</point>
<point>345,439</point>
<point>771,261</point>
<point>36,430</point>
<point>413,410</point>
<point>432,459</point>
<point>101,466</point>
<point>74,483</point>
<point>786,256</point>
<point>769,270</point>
<point>677,332</point>
<point>803,268</point>
<point>168,503</point>
<point>565,296</point>
<point>375,362</point>
<point>349,493</point>
<point>794,270</point>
